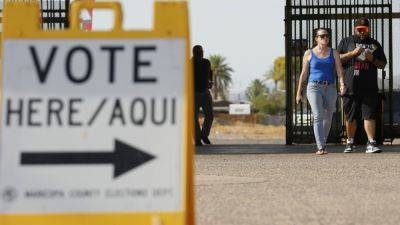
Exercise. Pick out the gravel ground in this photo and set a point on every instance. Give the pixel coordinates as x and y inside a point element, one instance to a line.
<point>241,189</point>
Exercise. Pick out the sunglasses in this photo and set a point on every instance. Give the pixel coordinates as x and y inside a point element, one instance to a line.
<point>322,36</point>
<point>362,30</point>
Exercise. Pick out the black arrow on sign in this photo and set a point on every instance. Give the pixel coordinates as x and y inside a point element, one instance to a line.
<point>124,158</point>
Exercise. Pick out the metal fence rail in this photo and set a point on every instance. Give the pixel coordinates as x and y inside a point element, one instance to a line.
<point>301,18</point>
<point>54,14</point>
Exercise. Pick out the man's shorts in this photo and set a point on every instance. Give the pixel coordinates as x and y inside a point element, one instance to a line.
<point>360,107</point>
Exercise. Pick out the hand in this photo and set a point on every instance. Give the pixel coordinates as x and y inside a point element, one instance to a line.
<point>369,56</point>
<point>357,51</point>
<point>298,98</point>
<point>342,89</point>
<point>210,84</point>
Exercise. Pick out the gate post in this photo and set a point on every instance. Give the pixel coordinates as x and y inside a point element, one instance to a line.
<point>288,78</point>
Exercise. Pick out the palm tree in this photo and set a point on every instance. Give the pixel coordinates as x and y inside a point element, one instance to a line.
<point>221,76</point>
<point>277,72</point>
<point>256,93</point>
<point>256,88</point>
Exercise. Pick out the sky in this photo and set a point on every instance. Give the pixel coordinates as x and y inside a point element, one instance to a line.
<point>249,33</point>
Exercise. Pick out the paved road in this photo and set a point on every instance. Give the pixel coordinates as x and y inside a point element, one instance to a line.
<point>287,185</point>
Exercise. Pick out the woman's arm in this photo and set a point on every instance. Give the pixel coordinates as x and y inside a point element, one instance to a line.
<point>339,71</point>
<point>303,74</point>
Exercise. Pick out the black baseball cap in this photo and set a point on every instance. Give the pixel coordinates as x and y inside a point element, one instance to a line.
<point>361,23</point>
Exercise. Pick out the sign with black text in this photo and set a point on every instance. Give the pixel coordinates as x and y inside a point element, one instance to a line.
<point>94,125</point>
<point>69,106</point>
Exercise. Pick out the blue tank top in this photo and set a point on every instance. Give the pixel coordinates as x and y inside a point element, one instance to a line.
<point>321,69</point>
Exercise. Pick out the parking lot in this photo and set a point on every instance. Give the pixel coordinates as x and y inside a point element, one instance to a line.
<point>266,184</point>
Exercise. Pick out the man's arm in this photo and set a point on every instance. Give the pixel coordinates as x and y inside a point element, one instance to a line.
<point>346,55</point>
<point>378,63</point>
<point>210,79</point>
<point>210,76</point>
<point>349,55</point>
<point>377,58</point>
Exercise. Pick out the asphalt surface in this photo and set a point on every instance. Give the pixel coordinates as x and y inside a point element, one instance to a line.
<point>272,184</point>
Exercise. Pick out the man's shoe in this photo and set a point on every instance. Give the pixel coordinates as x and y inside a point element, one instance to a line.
<point>206,140</point>
<point>349,148</point>
<point>198,143</point>
<point>372,148</point>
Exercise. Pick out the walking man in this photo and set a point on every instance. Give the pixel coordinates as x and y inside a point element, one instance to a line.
<point>203,99</point>
<point>361,58</point>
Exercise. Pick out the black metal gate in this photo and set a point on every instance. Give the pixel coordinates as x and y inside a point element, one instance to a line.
<point>54,14</point>
<point>301,18</point>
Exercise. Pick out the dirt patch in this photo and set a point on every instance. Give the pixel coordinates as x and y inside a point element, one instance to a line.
<point>240,130</point>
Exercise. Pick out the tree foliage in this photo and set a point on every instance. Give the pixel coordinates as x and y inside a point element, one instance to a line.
<point>277,73</point>
<point>264,101</point>
<point>222,76</point>
<point>256,88</point>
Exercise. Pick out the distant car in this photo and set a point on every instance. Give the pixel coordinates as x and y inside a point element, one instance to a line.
<point>396,108</point>
<point>300,119</point>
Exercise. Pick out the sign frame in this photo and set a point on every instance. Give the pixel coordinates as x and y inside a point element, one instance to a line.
<point>21,21</point>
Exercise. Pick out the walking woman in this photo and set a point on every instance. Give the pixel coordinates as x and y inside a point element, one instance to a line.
<point>321,61</point>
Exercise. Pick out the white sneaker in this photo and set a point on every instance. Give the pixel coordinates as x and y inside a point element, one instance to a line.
<point>372,148</point>
<point>349,148</point>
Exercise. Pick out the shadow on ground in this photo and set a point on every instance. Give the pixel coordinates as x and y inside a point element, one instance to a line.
<point>278,149</point>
